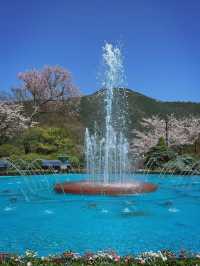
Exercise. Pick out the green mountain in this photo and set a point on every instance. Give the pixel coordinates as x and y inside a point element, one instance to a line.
<point>77,114</point>
<point>137,106</point>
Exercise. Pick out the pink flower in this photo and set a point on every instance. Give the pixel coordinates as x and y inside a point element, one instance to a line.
<point>142,261</point>
<point>116,258</point>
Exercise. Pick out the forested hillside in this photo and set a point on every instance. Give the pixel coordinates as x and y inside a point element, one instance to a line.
<point>60,127</point>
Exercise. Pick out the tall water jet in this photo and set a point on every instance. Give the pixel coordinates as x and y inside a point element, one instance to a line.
<point>107,156</point>
<point>106,148</point>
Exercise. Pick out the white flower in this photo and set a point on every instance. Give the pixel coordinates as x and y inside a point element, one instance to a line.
<point>164,258</point>
<point>30,254</point>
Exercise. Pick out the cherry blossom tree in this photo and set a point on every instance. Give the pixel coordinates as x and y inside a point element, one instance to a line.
<point>12,120</point>
<point>175,132</point>
<point>152,130</point>
<point>40,87</point>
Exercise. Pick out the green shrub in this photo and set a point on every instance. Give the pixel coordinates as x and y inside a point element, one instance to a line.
<point>182,163</point>
<point>74,160</point>
<point>30,157</point>
<point>47,140</point>
<point>45,148</point>
<point>8,150</point>
<point>159,155</point>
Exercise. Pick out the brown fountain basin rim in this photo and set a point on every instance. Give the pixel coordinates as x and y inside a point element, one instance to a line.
<point>89,188</point>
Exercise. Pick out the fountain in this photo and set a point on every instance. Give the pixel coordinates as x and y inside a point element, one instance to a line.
<point>107,149</point>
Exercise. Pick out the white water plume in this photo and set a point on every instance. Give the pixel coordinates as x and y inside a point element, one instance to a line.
<point>107,153</point>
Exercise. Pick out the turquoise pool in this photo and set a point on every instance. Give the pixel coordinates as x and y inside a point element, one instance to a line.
<point>33,217</point>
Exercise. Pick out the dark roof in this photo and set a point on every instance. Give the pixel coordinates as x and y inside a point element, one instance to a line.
<point>3,164</point>
<point>51,163</point>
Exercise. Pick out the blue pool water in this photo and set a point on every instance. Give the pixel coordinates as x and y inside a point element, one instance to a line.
<point>33,217</point>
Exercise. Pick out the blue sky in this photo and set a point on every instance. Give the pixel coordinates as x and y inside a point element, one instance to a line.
<point>161,42</point>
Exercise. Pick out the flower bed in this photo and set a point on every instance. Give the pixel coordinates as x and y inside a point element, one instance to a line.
<point>160,258</point>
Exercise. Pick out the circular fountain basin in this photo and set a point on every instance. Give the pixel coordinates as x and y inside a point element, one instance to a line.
<point>89,188</point>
